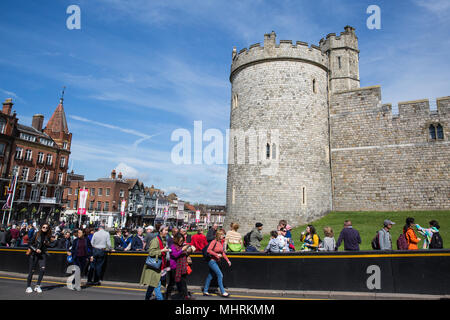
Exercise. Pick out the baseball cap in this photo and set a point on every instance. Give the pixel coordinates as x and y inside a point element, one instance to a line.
<point>388,222</point>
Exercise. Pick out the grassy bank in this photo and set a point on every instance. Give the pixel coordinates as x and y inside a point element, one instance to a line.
<point>368,223</point>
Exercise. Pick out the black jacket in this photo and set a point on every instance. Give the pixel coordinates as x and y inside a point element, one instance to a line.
<point>75,247</point>
<point>40,242</point>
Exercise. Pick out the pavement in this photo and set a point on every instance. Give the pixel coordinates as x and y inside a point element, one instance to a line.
<point>13,287</point>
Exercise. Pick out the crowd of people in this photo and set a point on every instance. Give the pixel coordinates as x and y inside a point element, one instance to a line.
<point>169,249</point>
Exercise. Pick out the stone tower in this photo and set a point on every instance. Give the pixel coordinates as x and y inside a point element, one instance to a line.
<point>343,55</point>
<point>279,158</point>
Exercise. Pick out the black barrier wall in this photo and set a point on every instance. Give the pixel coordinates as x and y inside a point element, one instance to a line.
<point>419,272</point>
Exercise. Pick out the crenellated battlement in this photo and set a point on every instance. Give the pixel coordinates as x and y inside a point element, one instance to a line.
<point>284,50</point>
<point>345,40</point>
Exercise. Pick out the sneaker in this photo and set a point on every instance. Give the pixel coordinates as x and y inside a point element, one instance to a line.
<point>29,290</point>
<point>38,289</point>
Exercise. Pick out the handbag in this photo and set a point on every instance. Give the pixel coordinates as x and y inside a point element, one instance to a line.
<point>153,263</point>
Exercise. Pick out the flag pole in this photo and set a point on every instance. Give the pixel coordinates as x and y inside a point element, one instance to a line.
<point>14,193</point>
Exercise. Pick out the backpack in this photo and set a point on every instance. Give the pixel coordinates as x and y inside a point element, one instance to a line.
<point>376,242</point>
<point>436,241</point>
<point>247,239</point>
<point>402,242</point>
<point>206,255</point>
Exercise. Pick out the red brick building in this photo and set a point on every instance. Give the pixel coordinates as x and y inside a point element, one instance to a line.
<point>40,156</point>
<point>104,199</point>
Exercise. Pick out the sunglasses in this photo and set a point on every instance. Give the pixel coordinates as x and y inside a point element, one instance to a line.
<point>44,228</point>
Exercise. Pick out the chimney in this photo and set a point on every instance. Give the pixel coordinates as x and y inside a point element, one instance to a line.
<point>7,106</point>
<point>38,122</point>
<point>113,174</point>
<point>120,175</point>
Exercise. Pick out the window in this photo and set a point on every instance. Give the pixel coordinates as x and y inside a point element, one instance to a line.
<point>28,155</point>
<point>37,175</point>
<point>46,142</point>
<point>99,205</point>
<point>34,194</point>
<point>40,158</point>
<point>46,176</point>
<point>62,162</point>
<point>92,191</point>
<point>15,170</point>
<point>304,195</point>
<point>274,151</point>
<point>268,151</point>
<point>44,192</point>
<point>339,62</point>
<point>100,191</point>
<point>60,178</point>
<point>314,85</point>
<point>76,192</point>
<point>436,132</point>
<point>74,204</point>
<point>69,204</point>
<point>69,191</point>
<point>2,149</point>
<point>234,103</point>
<point>108,191</point>
<point>22,192</point>
<point>122,193</point>
<point>49,159</point>
<point>91,205</point>
<point>25,172</point>
<point>27,137</point>
<point>233,195</point>
<point>2,125</point>
<point>19,152</point>
<point>106,207</point>
<point>65,145</point>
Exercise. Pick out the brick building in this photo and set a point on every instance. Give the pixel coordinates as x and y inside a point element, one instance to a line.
<point>104,199</point>
<point>40,156</point>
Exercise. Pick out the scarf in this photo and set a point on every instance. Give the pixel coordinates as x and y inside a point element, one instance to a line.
<point>163,254</point>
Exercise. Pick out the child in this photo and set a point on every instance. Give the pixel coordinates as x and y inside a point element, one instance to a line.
<point>282,240</point>
<point>329,243</point>
<point>273,246</point>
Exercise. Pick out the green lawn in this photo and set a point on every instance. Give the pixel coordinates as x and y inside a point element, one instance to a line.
<point>368,223</point>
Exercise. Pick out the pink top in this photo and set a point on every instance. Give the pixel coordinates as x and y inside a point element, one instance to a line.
<point>218,249</point>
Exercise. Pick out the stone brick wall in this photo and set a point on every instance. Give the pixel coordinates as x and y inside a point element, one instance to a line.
<point>385,162</point>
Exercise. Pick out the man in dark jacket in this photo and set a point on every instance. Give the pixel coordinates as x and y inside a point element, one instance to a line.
<point>211,235</point>
<point>350,236</point>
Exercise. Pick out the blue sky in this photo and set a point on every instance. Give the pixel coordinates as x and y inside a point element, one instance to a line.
<point>138,70</point>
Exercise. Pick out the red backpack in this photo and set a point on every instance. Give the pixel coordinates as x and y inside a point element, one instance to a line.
<point>402,242</point>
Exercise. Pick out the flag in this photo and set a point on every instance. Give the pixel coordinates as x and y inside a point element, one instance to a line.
<point>83,195</point>
<point>10,192</point>
<point>122,208</point>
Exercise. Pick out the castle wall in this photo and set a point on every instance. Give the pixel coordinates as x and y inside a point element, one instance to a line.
<point>278,95</point>
<point>385,162</point>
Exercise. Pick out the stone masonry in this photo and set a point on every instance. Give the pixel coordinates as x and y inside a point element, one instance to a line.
<point>306,139</point>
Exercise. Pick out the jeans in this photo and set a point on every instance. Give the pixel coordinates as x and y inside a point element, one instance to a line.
<point>214,270</point>
<point>251,249</point>
<point>99,260</point>
<point>36,260</point>
<point>157,290</point>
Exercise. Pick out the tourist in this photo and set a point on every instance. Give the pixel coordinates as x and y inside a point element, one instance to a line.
<point>283,242</point>
<point>127,238</point>
<point>15,235</point>
<point>255,238</point>
<point>384,235</point>
<point>310,239</point>
<point>118,240</point>
<point>199,240</point>
<point>329,243</point>
<point>233,239</point>
<point>350,236</point>
<point>149,236</point>
<point>137,244</point>
<point>431,233</point>
<point>410,235</point>
<point>274,245</point>
<point>81,251</point>
<point>65,242</point>
<point>216,252</point>
<point>152,277</point>
<point>37,251</point>
<point>179,264</point>
<point>173,231</point>
<point>187,237</point>
<point>2,236</point>
<point>101,242</point>
<point>211,235</point>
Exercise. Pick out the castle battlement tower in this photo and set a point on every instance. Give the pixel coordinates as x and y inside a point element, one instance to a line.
<point>279,164</point>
